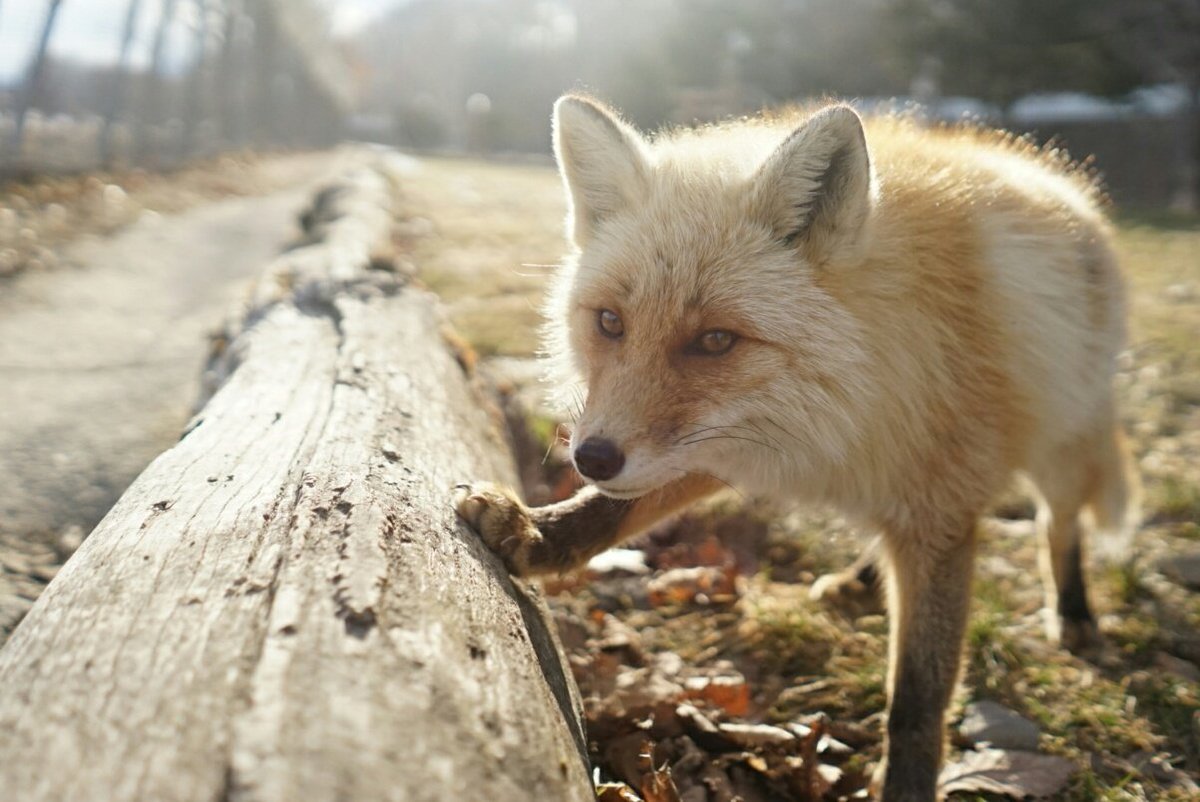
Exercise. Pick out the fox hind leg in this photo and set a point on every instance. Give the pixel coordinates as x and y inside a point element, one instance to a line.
<point>1069,620</point>
<point>857,589</point>
<point>1092,474</point>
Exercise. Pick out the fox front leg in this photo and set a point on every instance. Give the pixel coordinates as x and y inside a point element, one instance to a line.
<point>540,540</point>
<point>929,594</point>
<point>564,536</point>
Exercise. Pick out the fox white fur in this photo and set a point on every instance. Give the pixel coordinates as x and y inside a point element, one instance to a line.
<point>918,313</point>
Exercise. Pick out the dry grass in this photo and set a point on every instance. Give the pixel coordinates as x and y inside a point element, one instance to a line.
<point>481,238</point>
<point>485,238</point>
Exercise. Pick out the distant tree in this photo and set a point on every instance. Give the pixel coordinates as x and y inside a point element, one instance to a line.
<point>33,78</point>
<point>153,105</point>
<point>783,50</point>
<point>1162,39</point>
<point>999,51</point>
<point>197,102</point>
<point>116,99</point>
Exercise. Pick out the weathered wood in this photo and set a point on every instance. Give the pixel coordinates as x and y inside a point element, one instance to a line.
<point>283,606</point>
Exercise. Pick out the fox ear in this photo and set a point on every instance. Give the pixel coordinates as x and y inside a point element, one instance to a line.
<point>602,161</point>
<point>817,189</point>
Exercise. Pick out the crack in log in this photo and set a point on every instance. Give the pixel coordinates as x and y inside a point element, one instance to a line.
<point>546,649</point>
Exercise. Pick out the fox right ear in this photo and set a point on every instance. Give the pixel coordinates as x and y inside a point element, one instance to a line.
<point>817,190</point>
<point>602,161</point>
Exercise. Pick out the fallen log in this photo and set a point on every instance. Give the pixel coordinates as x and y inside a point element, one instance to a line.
<point>284,606</point>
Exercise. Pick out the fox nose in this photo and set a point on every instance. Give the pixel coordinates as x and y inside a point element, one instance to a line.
<point>599,459</point>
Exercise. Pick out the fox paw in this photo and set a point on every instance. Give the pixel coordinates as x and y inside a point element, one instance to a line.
<point>501,520</point>
<point>1078,636</point>
<point>847,592</point>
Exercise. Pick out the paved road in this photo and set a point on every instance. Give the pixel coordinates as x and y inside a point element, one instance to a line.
<point>100,364</point>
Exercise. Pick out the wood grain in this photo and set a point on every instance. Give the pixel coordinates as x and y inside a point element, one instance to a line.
<point>284,606</point>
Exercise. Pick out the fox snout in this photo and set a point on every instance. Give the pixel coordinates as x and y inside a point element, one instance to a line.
<point>599,459</point>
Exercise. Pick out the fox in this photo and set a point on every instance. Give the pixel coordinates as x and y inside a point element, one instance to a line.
<point>870,314</point>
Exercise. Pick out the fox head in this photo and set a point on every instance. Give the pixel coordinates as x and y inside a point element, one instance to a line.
<point>699,309</point>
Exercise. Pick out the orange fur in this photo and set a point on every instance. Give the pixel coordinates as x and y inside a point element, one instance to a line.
<point>919,314</point>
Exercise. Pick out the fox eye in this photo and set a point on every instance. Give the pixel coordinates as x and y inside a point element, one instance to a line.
<point>610,324</point>
<point>713,343</point>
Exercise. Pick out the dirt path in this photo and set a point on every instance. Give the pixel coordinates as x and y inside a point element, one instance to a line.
<point>100,361</point>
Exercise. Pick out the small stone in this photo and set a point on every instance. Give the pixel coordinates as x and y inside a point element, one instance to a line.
<point>1183,569</point>
<point>627,561</point>
<point>114,195</point>
<point>57,215</point>
<point>70,539</point>
<point>992,723</point>
<point>1184,669</point>
<point>1181,293</point>
<point>10,261</point>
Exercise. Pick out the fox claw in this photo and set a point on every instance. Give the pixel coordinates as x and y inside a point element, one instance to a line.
<point>500,519</point>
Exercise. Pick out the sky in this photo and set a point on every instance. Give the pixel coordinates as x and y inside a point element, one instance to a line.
<point>90,30</point>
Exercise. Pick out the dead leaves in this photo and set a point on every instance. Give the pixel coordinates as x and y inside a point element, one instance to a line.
<point>700,585</point>
<point>663,731</point>
<point>679,769</point>
<point>675,719</point>
<point>728,692</point>
<point>1010,773</point>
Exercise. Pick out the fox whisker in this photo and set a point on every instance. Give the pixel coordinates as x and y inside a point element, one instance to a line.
<point>732,437</point>
<point>753,429</point>
<point>558,436</point>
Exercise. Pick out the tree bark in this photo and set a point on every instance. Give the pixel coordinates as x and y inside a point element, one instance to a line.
<point>284,606</point>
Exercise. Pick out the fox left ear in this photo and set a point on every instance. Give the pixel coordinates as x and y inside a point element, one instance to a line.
<point>602,161</point>
<point>817,189</point>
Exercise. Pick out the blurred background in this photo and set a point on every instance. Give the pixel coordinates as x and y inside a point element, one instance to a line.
<point>155,156</point>
<point>152,83</point>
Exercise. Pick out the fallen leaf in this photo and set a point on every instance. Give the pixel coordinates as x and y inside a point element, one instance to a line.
<point>696,721</point>
<point>657,786</point>
<point>807,775</point>
<point>628,757</point>
<point>688,585</point>
<point>730,693</point>
<point>753,736</point>
<point>616,792</point>
<point>1008,772</point>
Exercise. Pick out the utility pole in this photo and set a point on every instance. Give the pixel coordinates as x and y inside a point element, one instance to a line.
<point>153,107</point>
<point>195,104</point>
<point>116,102</point>
<point>264,63</point>
<point>33,79</point>
<point>232,94</point>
